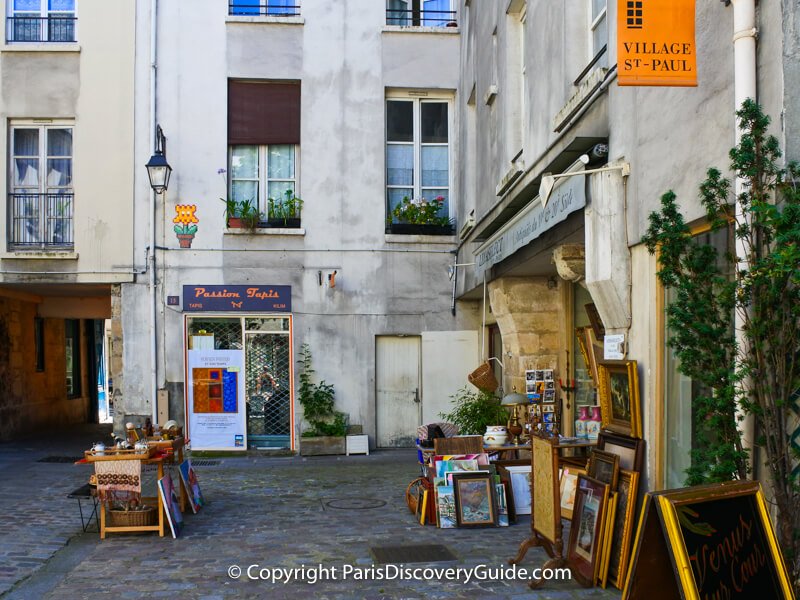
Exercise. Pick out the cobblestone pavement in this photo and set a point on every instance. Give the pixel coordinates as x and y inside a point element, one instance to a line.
<point>271,512</point>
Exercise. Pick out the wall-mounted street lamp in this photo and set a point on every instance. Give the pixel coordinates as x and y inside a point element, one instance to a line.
<point>549,181</point>
<point>158,169</point>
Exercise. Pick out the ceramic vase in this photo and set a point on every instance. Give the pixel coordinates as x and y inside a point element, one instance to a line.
<point>580,422</point>
<point>593,425</point>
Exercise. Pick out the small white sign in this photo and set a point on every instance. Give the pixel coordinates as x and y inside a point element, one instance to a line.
<point>614,347</point>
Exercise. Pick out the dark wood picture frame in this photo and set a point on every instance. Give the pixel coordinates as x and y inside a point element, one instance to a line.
<point>586,533</point>
<point>604,466</point>
<point>629,449</point>
<point>618,390</point>
<point>597,322</point>
<point>471,489</point>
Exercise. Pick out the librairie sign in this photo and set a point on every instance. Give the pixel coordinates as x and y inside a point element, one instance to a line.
<point>237,298</point>
<point>531,222</point>
<point>656,43</point>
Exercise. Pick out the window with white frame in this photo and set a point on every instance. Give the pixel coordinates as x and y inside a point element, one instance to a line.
<point>266,175</point>
<point>417,152</point>
<point>40,21</point>
<point>598,29</point>
<point>277,8</point>
<point>421,13</point>
<point>40,199</point>
<point>263,152</point>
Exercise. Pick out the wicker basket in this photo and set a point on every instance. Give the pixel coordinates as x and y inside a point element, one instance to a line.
<point>132,518</point>
<point>483,378</point>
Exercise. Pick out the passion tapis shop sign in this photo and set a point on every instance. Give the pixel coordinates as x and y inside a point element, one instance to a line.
<point>656,42</point>
<point>237,298</point>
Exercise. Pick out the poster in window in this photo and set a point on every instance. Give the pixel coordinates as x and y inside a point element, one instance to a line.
<point>215,393</point>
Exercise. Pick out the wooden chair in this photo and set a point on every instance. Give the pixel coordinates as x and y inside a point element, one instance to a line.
<point>459,444</point>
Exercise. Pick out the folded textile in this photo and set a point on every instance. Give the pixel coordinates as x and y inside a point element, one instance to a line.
<point>119,480</point>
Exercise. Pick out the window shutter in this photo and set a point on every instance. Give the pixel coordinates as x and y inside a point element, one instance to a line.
<point>261,112</point>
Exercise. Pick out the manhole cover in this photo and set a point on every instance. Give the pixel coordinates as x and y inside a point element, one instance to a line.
<point>60,459</point>
<point>411,554</point>
<point>355,503</point>
<point>205,463</point>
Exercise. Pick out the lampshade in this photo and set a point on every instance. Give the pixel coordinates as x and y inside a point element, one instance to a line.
<point>514,398</point>
<point>158,170</point>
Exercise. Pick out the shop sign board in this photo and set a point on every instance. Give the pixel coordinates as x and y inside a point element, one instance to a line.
<point>237,298</point>
<point>215,399</point>
<point>711,541</point>
<point>531,222</point>
<point>656,43</point>
<point>614,346</point>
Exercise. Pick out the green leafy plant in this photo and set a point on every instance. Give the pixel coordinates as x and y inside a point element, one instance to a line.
<point>420,212</point>
<point>761,373</point>
<point>473,411</point>
<point>287,208</point>
<point>244,210</point>
<point>317,400</point>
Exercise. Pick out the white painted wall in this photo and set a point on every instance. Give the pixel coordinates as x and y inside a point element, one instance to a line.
<point>447,358</point>
<point>345,60</point>
<point>90,82</point>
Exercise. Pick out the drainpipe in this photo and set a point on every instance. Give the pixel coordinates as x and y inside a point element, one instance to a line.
<point>744,86</point>
<point>152,214</point>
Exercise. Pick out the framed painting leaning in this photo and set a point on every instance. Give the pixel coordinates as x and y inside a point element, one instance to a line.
<point>618,388</point>
<point>476,500</point>
<point>586,533</point>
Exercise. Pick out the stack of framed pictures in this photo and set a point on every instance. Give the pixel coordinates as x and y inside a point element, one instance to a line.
<point>601,502</point>
<point>467,492</point>
<point>540,388</point>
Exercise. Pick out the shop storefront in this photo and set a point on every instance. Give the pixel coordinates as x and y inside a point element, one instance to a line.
<point>238,358</point>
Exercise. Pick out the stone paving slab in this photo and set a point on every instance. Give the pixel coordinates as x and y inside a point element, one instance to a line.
<point>263,511</point>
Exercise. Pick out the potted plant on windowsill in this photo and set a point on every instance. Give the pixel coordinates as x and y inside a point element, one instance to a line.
<point>328,427</point>
<point>284,212</point>
<point>420,217</point>
<point>241,214</point>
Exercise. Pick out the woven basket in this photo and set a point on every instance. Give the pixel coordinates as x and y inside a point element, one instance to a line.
<point>483,378</point>
<point>132,518</point>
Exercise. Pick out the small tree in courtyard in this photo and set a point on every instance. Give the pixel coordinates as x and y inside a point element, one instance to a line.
<point>761,376</point>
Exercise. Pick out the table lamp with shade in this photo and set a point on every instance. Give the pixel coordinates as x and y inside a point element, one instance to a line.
<point>514,400</point>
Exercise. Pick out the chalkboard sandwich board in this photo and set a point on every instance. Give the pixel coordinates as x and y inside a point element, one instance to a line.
<point>711,541</point>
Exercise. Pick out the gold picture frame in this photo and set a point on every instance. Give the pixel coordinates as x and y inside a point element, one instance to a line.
<point>627,488</point>
<point>586,343</point>
<point>618,389</point>
<point>569,485</point>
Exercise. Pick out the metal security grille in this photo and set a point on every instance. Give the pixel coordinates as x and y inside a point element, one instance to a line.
<point>227,332</point>
<point>267,389</point>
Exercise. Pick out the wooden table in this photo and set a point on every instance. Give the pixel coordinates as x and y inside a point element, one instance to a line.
<point>426,452</point>
<point>145,459</point>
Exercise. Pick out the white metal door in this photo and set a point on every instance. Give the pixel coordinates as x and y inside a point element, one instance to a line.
<point>397,390</point>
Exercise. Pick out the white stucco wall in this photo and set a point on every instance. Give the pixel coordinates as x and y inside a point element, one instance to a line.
<point>91,83</point>
<point>345,59</point>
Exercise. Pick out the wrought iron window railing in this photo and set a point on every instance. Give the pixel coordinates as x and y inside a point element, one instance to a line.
<point>419,18</point>
<point>254,8</point>
<point>40,29</point>
<point>40,220</point>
